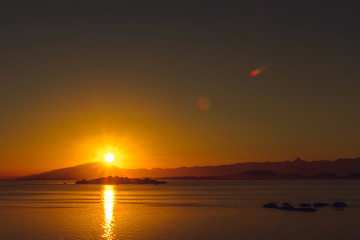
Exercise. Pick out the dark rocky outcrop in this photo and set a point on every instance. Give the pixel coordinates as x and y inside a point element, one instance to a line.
<point>339,205</point>
<point>320,205</point>
<point>286,206</point>
<point>304,207</point>
<point>307,205</point>
<point>120,180</point>
<point>270,205</point>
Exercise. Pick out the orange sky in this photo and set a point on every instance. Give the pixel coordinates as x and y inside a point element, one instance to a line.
<point>77,79</point>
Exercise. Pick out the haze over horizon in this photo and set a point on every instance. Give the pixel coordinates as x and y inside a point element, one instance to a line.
<point>179,83</point>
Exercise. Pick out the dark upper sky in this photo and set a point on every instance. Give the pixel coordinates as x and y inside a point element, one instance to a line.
<point>76,77</point>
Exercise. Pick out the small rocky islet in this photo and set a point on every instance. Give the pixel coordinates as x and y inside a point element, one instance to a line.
<point>304,207</point>
<point>120,180</point>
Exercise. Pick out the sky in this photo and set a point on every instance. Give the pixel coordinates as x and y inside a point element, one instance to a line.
<point>172,83</point>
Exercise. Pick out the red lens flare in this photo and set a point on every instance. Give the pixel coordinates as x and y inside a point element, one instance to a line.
<point>257,71</point>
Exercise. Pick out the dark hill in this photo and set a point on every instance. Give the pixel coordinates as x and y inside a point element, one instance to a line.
<point>84,171</point>
<point>92,170</point>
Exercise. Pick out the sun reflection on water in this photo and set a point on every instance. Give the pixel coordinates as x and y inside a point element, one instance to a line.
<point>108,201</point>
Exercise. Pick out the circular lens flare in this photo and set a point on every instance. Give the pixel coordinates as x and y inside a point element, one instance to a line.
<point>109,157</point>
<point>256,72</point>
<point>203,103</point>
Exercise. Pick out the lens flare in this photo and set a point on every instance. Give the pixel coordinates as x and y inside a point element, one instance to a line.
<point>257,71</point>
<point>203,104</point>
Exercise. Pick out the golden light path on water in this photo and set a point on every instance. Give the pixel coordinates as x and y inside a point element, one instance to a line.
<point>108,201</point>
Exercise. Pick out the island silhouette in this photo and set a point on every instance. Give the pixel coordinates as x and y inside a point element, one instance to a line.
<point>110,180</point>
<point>348,168</point>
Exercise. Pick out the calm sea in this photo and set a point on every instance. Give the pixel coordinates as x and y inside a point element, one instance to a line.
<point>177,210</point>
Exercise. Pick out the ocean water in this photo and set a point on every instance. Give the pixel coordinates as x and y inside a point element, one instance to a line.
<point>177,210</point>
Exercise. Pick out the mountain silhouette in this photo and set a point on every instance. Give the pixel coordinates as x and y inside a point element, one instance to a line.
<point>83,171</point>
<point>265,175</point>
<point>92,170</point>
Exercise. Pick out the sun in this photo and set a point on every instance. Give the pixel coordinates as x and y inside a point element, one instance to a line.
<point>109,157</point>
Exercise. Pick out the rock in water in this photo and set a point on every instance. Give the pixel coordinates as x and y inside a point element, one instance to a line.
<point>286,206</point>
<point>270,205</point>
<point>339,205</point>
<point>119,180</point>
<point>305,205</point>
<point>319,205</point>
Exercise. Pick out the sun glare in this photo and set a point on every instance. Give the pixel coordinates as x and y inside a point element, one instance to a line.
<point>109,157</point>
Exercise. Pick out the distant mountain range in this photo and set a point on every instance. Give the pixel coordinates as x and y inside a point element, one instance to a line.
<point>341,167</point>
<point>262,175</point>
